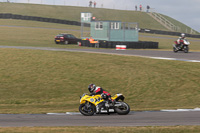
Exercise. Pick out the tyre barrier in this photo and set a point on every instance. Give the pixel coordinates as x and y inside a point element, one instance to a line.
<point>127,45</point>
<point>41,19</point>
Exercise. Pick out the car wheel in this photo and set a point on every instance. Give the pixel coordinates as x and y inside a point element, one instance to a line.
<point>66,42</point>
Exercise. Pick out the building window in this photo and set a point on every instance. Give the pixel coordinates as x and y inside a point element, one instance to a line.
<point>114,25</point>
<point>98,25</point>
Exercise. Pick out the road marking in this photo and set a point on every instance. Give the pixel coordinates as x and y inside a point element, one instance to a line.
<point>163,58</point>
<point>56,113</point>
<point>180,110</point>
<point>162,110</point>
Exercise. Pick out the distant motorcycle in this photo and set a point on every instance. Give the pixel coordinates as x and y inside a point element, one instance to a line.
<point>90,105</point>
<point>183,46</point>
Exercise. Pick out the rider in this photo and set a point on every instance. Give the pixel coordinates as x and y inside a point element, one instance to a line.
<point>95,90</point>
<point>180,41</point>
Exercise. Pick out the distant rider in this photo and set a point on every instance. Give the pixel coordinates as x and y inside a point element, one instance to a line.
<point>180,41</point>
<point>96,90</point>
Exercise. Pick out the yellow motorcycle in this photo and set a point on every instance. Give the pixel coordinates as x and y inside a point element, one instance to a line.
<point>98,104</point>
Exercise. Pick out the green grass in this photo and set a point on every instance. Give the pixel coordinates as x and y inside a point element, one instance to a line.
<point>174,129</point>
<point>183,28</point>
<point>30,35</point>
<point>35,81</point>
<point>73,13</point>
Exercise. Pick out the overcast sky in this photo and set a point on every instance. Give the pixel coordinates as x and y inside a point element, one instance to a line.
<point>186,11</point>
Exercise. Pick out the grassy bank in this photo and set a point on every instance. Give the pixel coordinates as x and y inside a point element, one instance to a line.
<point>31,35</point>
<point>73,13</point>
<point>35,81</point>
<point>175,129</point>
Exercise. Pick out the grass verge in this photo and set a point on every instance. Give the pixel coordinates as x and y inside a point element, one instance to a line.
<point>31,35</point>
<point>35,81</point>
<point>174,129</point>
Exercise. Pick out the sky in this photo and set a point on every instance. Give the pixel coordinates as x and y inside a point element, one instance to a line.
<point>185,11</point>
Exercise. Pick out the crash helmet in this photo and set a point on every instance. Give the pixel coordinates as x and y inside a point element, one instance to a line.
<point>182,35</point>
<point>91,87</point>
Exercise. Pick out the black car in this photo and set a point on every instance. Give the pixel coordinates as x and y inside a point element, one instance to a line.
<point>66,39</point>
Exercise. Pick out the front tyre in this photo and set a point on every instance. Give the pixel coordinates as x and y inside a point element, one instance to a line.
<point>186,49</point>
<point>87,109</point>
<point>124,109</point>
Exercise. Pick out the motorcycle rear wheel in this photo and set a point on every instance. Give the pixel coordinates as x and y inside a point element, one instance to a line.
<point>87,111</point>
<point>123,110</point>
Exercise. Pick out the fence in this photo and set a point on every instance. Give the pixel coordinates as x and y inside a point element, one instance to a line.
<point>164,21</point>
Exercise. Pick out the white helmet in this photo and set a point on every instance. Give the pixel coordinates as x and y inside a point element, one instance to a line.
<point>182,35</point>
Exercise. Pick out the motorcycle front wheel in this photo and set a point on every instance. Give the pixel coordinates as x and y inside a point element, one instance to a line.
<point>124,109</point>
<point>186,49</point>
<point>87,109</point>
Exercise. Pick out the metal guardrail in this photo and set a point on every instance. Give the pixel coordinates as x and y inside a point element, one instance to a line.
<point>164,21</point>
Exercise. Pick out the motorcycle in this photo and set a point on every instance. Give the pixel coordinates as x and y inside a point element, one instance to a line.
<point>184,46</point>
<point>89,105</point>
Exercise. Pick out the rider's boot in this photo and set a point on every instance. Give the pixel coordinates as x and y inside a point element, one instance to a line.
<point>97,109</point>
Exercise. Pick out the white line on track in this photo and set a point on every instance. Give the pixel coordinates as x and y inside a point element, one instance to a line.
<point>162,110</point>
<point>180,110</point>
<point>163,58</point>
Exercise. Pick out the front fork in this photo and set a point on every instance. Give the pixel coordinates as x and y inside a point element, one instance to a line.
<point>87,106</point>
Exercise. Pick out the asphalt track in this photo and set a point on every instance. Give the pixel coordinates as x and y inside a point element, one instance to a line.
<point>132,119</point>
<point>155,54</point>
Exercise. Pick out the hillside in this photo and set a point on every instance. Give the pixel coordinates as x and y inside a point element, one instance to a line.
<point>73,13</point>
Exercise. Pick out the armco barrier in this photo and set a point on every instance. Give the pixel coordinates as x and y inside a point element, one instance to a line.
<point>129,45</point>
<point>167,33</point>
<point>35,18</point>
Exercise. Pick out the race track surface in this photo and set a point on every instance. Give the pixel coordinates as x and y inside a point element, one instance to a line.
<point>132,119</point>
<point>167,55</point>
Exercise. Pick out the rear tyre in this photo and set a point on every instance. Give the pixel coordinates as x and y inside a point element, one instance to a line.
<point>123,110</point>
<point>87,109</point>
